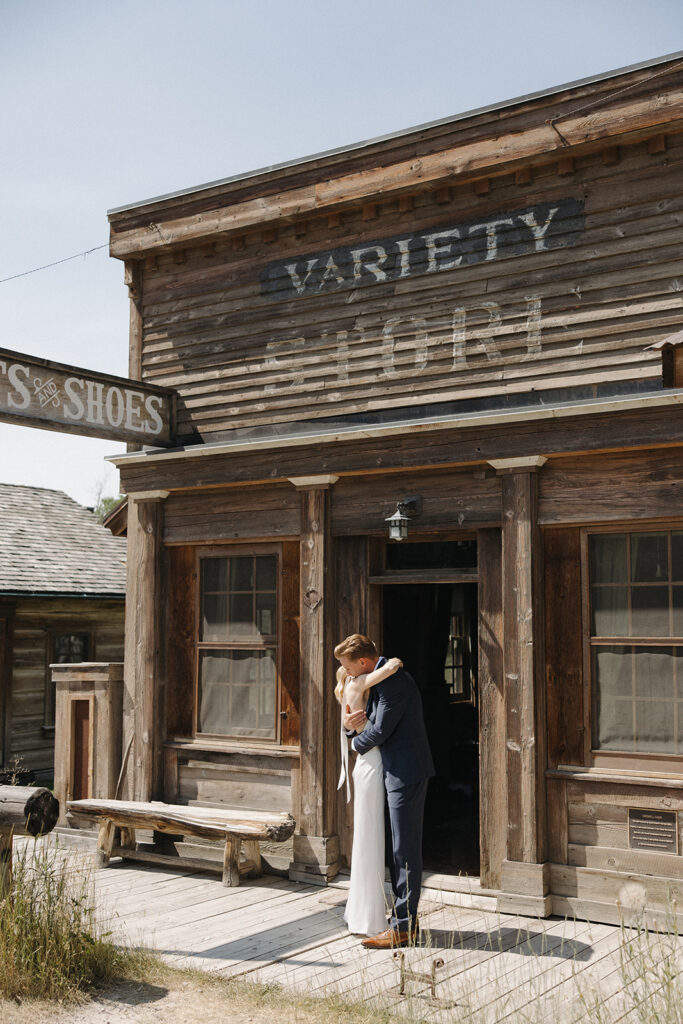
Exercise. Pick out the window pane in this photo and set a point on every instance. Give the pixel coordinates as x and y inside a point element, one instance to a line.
<point>214,574</point>
<point>608,558</point>
<point>650,611</point>
<point>214,617</point>
<point>266,572</point>
<point>654,727</point>
<point>677,555</point>
<point>241,615</point>
<point>237,693</point>
<point>609,611</point>
<point>677,596</point>
<point>242,573</point>
<point>68,648</point>
<point>654,672</point>
<point>214,673</point>
<point>265,614</point>
<point>615,725</point>
<point>649,557</point>
<point>612,676</point>
<point>613,671</point>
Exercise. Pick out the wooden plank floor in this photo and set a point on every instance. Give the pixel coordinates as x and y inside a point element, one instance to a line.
<point>495,967</point>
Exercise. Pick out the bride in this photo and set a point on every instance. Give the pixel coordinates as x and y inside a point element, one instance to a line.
<point>365,912</point>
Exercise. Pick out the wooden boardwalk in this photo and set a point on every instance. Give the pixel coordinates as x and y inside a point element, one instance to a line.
<point>495,967</point>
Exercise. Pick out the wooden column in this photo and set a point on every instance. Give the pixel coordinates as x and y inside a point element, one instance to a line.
<point>492,719</point>
<point>524,876</point>
<point>316,844</point>
<point>142,717</point>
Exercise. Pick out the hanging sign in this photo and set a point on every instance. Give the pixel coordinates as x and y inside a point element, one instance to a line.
<point>40,393</point>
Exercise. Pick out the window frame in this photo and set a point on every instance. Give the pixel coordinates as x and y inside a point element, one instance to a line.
<point>50,696</point>
<point>237,551</point>
<point>640,762</point>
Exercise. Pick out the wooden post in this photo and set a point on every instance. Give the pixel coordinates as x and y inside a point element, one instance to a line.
<point>523,872</point>
<point>142,718</point>
<point>231,862</point>
<point>492,723</point>
<point>316,844</point>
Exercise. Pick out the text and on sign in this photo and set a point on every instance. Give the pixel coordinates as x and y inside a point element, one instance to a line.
<point>40,393</point>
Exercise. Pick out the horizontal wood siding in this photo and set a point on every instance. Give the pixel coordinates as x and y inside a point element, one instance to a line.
<point>258,782</point>
<point>567,316</point>
<point>610,488</point>
<point>232,514</point>
<point>450,500</point>
<point>30,744</point>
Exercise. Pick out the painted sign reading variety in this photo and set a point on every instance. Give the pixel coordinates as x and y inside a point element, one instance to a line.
<point>514,233</point>
<point>40,393</point>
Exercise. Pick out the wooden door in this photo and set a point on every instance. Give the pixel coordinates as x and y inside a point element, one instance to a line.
<point>80,732</point>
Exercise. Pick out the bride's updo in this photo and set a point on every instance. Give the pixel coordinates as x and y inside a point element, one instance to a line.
<point>341,679</point>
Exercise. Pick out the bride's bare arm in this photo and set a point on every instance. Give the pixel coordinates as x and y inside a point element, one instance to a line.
<point>357,688</point>
<point>378,675</point>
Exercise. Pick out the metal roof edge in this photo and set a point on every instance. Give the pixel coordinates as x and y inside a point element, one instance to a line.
<point>351,147</point>
<point>561,410</point>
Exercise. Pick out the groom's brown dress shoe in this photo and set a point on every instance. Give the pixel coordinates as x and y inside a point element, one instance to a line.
<point>390,939</point>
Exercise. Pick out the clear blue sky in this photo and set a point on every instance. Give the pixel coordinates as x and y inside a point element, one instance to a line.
<point>106,103</point>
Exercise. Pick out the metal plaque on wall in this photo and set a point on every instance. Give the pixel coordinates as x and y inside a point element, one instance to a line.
<point>652,830</point>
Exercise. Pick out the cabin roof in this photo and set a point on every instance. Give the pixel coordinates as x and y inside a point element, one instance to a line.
<point>49,544</point>
<point>392,137</point>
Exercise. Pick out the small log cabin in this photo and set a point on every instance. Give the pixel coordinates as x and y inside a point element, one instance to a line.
<point>454,322</point>
<point>62,591</point>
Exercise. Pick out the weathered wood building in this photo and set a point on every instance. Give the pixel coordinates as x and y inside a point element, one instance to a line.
<point>62,589</point>
<point>462,312</point>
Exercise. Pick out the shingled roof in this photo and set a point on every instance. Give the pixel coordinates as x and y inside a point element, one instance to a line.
<point>49,544</point>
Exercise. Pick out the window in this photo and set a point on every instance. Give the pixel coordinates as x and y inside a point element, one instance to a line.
<point>636,641</point>
<point>238,645</point>
<point>63,649</point>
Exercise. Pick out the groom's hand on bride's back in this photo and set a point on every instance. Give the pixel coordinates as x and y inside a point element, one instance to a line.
<point>354,720</point>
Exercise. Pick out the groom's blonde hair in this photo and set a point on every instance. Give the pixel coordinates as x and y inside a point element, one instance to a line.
<point>356,646</point>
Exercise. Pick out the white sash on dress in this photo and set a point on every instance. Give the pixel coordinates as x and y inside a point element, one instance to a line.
<point>344,776</point>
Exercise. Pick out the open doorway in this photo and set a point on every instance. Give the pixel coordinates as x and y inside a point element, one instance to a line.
<point>432,627</point>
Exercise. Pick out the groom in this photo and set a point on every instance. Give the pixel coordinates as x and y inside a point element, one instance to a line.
<point>395,724</point>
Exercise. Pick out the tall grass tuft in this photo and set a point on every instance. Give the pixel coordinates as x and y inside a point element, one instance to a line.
<point>52,944</point>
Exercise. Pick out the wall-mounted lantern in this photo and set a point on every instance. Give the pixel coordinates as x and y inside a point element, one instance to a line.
<point>406,510</point>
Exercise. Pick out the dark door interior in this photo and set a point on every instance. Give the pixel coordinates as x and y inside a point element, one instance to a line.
<point>432,627</point>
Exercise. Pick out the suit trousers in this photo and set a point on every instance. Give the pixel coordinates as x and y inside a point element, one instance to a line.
<point>404,813</point>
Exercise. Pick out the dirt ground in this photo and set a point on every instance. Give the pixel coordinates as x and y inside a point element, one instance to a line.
<point>183,998</point>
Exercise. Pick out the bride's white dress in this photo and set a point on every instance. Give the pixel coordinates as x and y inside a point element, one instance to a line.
<point>365,912</point>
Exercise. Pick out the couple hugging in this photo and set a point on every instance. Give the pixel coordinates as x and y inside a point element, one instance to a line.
<point>382,713</point>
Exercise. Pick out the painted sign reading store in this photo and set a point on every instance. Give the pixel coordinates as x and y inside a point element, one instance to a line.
<point>533,229</point>
<point>40,393</point>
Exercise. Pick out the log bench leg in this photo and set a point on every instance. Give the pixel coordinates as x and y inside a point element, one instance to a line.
<point>231,862</point>
<point>5,862</point>
<point>127,838</point>
<point>105,843</point>
<point>252,852</point>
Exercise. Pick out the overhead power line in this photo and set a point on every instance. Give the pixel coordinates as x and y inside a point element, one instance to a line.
<point>66,259</point>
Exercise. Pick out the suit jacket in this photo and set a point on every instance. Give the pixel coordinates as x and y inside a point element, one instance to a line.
<point>396,725</point>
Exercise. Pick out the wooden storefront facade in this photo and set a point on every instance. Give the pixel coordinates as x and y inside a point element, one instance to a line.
<point>463,312</point>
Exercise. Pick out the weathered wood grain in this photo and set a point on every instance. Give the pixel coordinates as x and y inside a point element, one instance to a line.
<point>493,795</point>
<point>563,644</point>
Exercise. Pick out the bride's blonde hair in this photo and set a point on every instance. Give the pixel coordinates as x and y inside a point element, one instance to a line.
<point>341,679</point>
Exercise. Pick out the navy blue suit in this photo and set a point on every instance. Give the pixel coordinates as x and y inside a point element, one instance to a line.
<point>396,725</point>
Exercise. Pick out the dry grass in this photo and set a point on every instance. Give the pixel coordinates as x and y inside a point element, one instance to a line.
<point>52,944</point>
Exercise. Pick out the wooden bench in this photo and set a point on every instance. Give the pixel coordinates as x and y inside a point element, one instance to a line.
<point>240,830</point>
